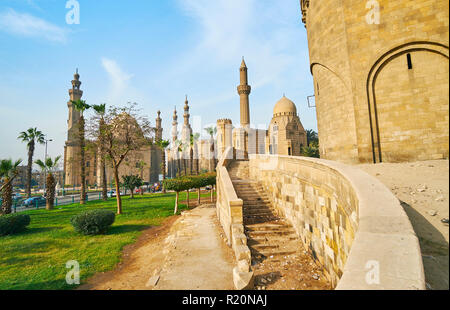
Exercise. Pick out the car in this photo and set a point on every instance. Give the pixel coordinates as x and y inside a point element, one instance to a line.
<point>31,202</point>
<point>111,193</point>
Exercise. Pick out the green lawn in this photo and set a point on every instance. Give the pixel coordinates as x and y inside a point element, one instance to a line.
<point>36,258</point>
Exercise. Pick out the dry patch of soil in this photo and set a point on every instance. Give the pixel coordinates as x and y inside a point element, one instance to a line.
<point>423,189</point>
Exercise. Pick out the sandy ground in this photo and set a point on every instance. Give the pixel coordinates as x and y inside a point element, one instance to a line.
<point>185,253</point>
<point>423,189</point>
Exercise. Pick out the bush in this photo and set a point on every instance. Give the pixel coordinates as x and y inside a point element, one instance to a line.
<point>93,222</point>
<point>13,223</point>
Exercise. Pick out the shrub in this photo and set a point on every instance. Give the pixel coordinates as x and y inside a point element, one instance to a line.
<point>13,223</point>
<point>93,222</point>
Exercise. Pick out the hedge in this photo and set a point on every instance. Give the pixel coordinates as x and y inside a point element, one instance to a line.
<point>93,222</point>
<point>13,223</point>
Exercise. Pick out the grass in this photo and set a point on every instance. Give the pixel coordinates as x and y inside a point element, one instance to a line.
<point>36,258</point>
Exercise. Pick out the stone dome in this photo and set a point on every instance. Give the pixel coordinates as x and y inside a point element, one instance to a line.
<point>285,106</point>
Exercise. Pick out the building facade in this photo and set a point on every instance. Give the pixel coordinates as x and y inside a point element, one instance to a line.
<point>380,78</point>
<point>146,162</point>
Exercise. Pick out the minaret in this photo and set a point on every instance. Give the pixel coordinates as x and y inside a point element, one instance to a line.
<point>244,91</point>
<point>186,131</point>
<point>174,127</point>
<point>75,94</point>
<point>72,149</point>
<point>158,134</point>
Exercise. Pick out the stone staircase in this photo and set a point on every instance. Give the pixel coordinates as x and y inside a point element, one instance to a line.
<point>279,259</point>
<point>269,237</point>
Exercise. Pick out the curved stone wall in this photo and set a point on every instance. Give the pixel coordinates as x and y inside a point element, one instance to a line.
<point>350,222</point>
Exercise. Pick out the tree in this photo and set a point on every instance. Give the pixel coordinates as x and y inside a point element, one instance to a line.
<point>141,165</point>
<point>49,166</point>
<point>178,185</point>
<point>100,111</point>
<point>178,149</point>
<point>312,150</point>
<point>31,137</point>
<point>81,106</point>
<point>311,136</point>
<point>131,182</point>
<point>8,172</point>
<point>125,131</point>
<point>212,131</point>
<point>193,140</point>
<point>163,144</point>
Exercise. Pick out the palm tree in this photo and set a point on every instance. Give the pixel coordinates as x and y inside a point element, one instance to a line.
<point>49,166</point>
<point>311,136</point>
<point>194,138</point>
<point>31,137</point>
<point>179,149</point>
<point>101,110</point>
<point>163,144</point>
<point>8,172</point>
<point>212,131</point>
<point>81,106</point>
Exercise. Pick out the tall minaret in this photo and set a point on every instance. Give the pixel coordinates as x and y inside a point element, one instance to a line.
<point>174,149</point>
<point>158,134</point>
<point>174,127</point>
<point>75,94</point>
<point>72,148</point>
<point>244,91</point>
<point>186,131</point>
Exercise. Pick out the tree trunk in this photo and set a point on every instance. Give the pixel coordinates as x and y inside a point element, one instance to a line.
<point>132,193</point>
<point>30,168</point>
<point>7,197</point>
<point>163,156</point>
<point>82,161</point>
<point>213,162</point>
<point>176,203</point>
<point>104,181</point>
<point>198,196</point>
<point>212,192</point>
<point>50,192</point>
<point>187,198</point>
<point>119,199</point>
<point>179,166</point>
<point>191,161</point>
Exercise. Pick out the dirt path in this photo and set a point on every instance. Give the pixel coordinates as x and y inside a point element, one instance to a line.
<point>185,253</point>
<point>423,189</point>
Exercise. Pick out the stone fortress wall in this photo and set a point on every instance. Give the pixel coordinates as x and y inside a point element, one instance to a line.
<point>349,221</point>
<point>381,87</point>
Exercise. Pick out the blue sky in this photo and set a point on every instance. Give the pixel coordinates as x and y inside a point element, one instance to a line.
<point>151,52</point>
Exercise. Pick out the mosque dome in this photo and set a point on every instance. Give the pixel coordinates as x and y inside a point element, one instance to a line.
<point>285,106</point>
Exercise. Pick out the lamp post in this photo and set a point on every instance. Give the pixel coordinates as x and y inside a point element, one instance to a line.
<point>45,160</point>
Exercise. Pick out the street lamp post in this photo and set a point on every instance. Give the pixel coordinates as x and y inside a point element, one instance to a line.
<point>45,160</point>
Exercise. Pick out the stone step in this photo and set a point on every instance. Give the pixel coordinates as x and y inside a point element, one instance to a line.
<point>270,233</point>
<point>271,239</point>
<point>271,253</point>
<point>269,226</point>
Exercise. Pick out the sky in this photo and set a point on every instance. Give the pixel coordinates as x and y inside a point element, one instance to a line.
<point>151,52</point>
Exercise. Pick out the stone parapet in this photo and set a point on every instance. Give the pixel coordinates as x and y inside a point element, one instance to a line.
<point>350,222</point>
<point>229,212</point>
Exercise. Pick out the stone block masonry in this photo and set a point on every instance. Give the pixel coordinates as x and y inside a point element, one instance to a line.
<point>352,224</point>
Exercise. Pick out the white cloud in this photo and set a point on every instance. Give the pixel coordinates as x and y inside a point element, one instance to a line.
<point>24,24</point>
<point>120,90</point>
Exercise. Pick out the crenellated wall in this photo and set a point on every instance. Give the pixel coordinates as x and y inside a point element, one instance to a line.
<point>348,220</point>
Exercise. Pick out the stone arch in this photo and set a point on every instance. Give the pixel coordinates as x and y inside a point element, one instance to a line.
<point>335,114</point>
<point>381,63</point>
